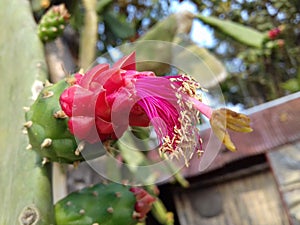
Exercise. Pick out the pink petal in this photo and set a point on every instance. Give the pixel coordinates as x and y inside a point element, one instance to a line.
<point>84,128</point>
<point>138,117</point>
<point>111,80</point>
<point>104,127</point>
<point>77,101</point>
<point>126,63</point>
<point>94,72</point>
<point>102,109</point>
<point>66,100</point>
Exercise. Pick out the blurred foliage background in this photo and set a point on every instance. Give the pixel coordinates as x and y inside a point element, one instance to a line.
<point>254,75</point>
<point>258,75</point>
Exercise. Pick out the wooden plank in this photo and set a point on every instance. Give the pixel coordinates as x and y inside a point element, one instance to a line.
<point>59,183</point>
<point>285,163</point>
<point>275,123</point>
<point>81,176</point>
<point>252,200</point>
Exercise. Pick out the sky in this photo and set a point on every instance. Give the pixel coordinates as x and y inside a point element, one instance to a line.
<point>201,34</point>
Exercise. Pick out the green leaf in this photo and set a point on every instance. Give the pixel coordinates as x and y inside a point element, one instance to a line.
<point>291,85</point>
<point>131,152</point>
<point>118,26</point>
<point>164,30</point>
<point>102,4</point>
<point>199,63</point>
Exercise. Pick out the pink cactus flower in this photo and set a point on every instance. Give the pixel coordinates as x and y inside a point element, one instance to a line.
<point>103,102</point>
<point>275,32</point>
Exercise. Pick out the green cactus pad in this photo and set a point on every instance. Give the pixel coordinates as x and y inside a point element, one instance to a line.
<point>243,34</point>
<point>47,127</point>
<point>103,204</point>
<point>53,23</point>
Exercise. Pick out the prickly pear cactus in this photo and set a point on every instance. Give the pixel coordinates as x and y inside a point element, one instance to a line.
<point>245,35</point>
<point>25,185</point>
<point>53,23</point>
<point>47,127</point>
<point>104,204</point>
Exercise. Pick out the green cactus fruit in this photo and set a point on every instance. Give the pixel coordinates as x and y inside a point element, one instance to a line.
<point>104,204</point>
<point>53,23</point>
<point>47,127</point>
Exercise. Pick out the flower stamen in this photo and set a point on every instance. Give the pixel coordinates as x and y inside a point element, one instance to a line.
<point>184,138</point>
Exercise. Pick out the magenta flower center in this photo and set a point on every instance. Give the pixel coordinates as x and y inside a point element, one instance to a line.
<point>168,103</point>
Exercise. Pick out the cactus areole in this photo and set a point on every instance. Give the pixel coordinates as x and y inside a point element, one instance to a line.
<point>102,103</point>
<point>104,204</point>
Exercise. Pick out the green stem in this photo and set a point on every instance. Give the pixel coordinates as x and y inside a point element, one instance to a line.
<point>160,212</point>
<point>178,176</point>
<point>89,35</point>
